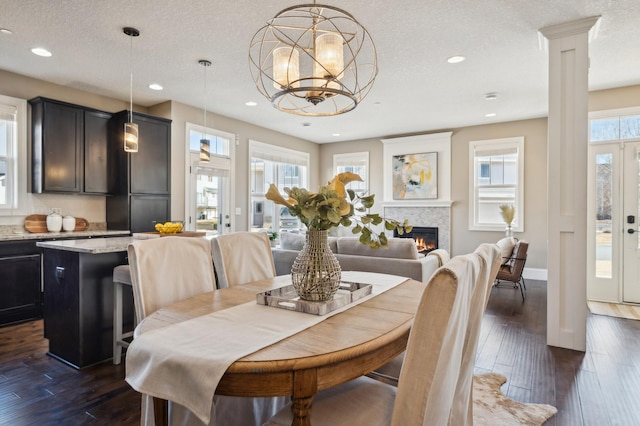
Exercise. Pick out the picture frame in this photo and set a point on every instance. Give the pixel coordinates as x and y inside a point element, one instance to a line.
<point>415,176</point>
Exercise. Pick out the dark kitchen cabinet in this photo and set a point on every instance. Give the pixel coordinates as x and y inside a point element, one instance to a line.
<point>20,283</point>
<point>69,147</point>
<point>78,305</point>
<point>139,182</point>
<point>96,135</point>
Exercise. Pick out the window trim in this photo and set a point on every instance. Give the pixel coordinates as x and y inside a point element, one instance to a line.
<point>18,156</point>
<point>491,145</point>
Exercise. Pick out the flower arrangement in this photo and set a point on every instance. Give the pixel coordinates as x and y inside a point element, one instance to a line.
<point>333,205</point>
<point>508,212</point>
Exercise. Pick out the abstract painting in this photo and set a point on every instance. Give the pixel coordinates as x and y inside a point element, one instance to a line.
<point>415,176</point>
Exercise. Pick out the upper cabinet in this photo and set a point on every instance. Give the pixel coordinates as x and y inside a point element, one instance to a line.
<point>147,171</point>
<point>139,182</point>
<point>69,148</point>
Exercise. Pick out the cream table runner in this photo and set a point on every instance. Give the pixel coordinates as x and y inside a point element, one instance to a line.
<point>184,362</point>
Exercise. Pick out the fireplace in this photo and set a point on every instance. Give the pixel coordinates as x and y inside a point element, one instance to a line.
<point>426,237</point>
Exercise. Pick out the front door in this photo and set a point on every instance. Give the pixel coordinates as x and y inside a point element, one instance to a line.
<point>631,217</point>
<point>614,241</point>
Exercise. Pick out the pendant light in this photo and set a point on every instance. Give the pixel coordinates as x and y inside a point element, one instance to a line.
<point>204,142</point>
<point>313,60</point>
<point>130,128</point>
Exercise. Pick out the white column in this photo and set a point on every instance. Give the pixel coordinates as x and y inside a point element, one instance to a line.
<point>567,183</point>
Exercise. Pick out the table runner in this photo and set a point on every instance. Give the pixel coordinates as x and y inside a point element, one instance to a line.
<point>184,362</point>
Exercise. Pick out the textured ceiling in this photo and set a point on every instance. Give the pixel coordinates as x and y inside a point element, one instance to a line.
<point>416,89</point>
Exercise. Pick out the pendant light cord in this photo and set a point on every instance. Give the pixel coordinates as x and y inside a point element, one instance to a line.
<point>131,80</point>
<point>204,135</point>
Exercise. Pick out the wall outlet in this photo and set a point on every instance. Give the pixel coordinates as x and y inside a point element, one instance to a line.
<point>56,210</point>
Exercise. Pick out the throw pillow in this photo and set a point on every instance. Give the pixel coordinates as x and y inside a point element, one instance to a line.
<point>506,246</point>
<point>291,241</point>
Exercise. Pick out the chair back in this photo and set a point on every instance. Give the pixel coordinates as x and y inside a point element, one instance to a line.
<point>168,269</point>
<point>515,265</point>
<point>432,362</point>
<point>489,256</point>
<point>242,257</point>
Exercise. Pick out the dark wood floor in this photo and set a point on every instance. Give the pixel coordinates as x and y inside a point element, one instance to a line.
<point>599,387</point>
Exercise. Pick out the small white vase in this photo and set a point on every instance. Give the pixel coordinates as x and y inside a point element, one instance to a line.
<point>68,223</point>
<point>54,222</point>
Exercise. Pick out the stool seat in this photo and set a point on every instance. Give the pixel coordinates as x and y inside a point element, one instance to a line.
<point>121,277</point>
<point>121,274</point>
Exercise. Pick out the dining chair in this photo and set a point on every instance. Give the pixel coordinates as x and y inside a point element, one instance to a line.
<point>431,369</point>
<point>242,257</point>
<point>164,271</point>
<point>168,269</point>
<point>490,259</point>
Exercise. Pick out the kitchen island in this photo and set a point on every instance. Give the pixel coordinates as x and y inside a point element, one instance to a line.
<point>78,297</point>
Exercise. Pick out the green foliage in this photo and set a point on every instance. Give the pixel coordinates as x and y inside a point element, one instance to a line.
<point>333,206</point>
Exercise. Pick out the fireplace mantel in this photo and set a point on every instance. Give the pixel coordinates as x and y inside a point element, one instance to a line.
<point>418,203</point>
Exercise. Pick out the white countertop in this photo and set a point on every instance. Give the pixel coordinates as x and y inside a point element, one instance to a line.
<point>90,245</point>
<point>56,235</point>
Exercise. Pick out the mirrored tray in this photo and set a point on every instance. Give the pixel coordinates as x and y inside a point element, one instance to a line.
<point>287,298</point>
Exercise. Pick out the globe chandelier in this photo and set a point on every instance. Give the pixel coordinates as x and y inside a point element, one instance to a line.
<point>313,60</point>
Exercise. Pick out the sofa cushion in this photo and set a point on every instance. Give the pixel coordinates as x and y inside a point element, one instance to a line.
<point>291,241</point>
<point>398,248</point>
<point>506,246</point>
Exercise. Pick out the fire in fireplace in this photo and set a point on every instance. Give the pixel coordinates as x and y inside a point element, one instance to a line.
<point>426,237</point>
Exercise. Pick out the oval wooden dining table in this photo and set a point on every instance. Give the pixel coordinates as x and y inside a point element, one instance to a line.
<point>341,348</point>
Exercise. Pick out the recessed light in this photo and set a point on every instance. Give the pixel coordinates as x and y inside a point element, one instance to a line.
<point>491,96</point>
<point>335,134</point>
<point>41,51</point>
<point>306,124</point>
<point>251,103</point>
<point>456,59</point>
<point>491,114</point>
<point>6,31</point>
<point>155,86</point>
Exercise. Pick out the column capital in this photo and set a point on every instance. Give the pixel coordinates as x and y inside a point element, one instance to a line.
<point>571,28</point>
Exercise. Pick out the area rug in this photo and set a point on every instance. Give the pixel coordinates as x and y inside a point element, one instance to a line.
<point>492,408</point>
<point>617,310</point>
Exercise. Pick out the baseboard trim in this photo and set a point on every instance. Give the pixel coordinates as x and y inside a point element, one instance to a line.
<point>535,274</point>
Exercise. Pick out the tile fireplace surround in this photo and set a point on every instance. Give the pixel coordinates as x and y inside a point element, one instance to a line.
<point>439,217</point>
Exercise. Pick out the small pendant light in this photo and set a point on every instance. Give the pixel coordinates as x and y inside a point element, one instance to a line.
<point>130,128</point>
<point>205,144</point>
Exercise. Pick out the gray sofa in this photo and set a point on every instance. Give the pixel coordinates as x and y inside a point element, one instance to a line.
<point>401,257</point>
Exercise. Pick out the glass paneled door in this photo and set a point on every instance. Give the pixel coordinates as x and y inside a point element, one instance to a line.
<point>614,241</point>
<point>631,216</point>
<point>209,195</point>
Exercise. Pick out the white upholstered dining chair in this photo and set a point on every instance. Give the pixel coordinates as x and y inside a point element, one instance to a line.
<point>242,257</point>
<point>490,258</point>
<point>164,271</point>
<point>431,368</point>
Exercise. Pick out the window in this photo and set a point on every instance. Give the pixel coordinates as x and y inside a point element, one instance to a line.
<point>13,113</point>
<point>496,177</point>
<point>219,142</point>
<point>356,162</point>
<point>283,167</point>
<point>617,125</point>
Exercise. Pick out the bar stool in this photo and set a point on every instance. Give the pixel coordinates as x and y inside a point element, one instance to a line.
<point>121,277</point>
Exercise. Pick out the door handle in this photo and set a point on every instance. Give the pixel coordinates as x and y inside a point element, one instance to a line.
<point>631,231</point>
